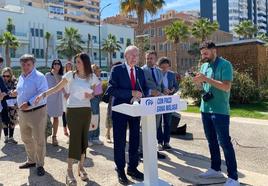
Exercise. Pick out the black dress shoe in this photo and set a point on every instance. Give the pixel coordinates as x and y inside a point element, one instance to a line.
<point>122,178</point>
<point>27,165</point>
<point>135,174</point>
<point>40,171</point>
<point>166,146</point>
<point>160,156</point>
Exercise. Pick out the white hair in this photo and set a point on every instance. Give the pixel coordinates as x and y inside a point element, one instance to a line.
<point>130,48</point>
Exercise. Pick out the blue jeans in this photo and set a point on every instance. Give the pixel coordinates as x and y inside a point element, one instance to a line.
<point>95,108</point>
<point>163,132</point>
<point>216,127</point>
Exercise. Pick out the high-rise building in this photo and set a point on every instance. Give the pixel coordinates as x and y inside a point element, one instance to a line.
<point>70,10</point>
<point>229,13</point>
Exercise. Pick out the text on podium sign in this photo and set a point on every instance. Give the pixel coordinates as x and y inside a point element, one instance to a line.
<point>160,105</point>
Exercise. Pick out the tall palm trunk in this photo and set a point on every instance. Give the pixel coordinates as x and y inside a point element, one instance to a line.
<point>140,29</point>
<point>110,60</point>
<point>177,56</point>
<point>7,53</point>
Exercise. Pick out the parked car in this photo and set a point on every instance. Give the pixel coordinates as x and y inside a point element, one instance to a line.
<point>105,75</point>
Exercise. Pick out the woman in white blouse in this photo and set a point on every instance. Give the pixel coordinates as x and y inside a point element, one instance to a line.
<point>81,84</point>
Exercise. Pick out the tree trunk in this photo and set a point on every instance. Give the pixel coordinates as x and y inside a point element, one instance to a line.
<point>110,61</point>
<point>46,54</point>
<point>7,53</point>
<point>177,56</point>
<point>140,29</point>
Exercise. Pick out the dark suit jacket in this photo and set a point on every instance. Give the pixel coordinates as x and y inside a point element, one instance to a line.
<point>120,85</point>
<point>172,82</point>
<point>4,113</point>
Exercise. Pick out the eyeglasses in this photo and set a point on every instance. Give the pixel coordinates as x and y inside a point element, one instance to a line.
<point>6,76</point>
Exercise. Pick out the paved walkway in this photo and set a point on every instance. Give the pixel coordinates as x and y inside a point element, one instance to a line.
<point>188,158</point>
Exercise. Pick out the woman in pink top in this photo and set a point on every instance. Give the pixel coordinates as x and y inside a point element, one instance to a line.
<point>93,136</point>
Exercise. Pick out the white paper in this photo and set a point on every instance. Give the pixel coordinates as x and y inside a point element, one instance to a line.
<point>11,102</point>
<point>80,92</point>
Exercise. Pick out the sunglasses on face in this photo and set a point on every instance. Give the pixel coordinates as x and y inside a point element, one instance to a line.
<point>6,76</point>
<point>56,64</point>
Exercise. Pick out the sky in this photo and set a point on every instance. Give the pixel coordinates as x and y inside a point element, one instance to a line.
<point>179,5</point>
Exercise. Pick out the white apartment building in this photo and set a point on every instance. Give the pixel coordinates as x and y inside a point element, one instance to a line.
<point>31,23</point>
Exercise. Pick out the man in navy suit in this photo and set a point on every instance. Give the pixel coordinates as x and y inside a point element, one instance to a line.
<point>127,81</point>
<point>170,86</point>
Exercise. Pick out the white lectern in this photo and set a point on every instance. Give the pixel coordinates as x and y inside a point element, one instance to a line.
<point>147,109</point>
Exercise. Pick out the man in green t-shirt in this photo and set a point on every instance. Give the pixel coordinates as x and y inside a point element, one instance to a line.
<point>215,79</point>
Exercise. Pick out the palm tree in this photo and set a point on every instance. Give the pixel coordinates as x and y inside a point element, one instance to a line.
<point>263,37</point>
<point>177,32</point>
<point>47,38</point>
<point>245,29</point>
<point>9,41</point>
<point>140,7</point>
<point>70,43</point>
<point>111,45</point>
<point>203,28</point>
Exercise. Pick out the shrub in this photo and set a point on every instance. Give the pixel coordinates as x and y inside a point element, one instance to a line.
<point>243,89</point>
<point>189,90</point>
<point>17,70</point>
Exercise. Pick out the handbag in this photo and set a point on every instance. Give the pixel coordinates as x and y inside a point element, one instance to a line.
<point>94,123</point>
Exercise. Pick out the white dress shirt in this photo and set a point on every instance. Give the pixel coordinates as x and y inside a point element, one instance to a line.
<point>128,70</point>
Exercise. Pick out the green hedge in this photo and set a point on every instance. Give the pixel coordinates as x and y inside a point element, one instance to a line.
<point>17,70</point>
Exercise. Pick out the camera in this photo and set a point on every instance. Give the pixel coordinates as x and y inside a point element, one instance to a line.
<point>207,96</point>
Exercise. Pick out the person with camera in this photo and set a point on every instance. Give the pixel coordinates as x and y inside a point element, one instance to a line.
<point>215,79</point>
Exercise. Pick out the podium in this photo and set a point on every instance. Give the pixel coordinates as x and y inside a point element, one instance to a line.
<point>147,109</point>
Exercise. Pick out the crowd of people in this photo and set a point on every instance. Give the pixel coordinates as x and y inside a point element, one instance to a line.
<point>74,91</point>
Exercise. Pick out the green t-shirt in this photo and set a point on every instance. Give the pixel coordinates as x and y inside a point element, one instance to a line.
<point>219,104</point>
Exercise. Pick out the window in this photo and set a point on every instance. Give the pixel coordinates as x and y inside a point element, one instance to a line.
<point>33,51</point>
<point>121,40</point>
<point>128,42</point>
<point>160,32</point>
<point>114,55</point>
<point>32,32</point>
<point>122,55</point>
<point>37,53</point>
<point>37,32</point>
<point>59,35</point>
<point>94,39</point>
<point>161,47</point>
<point>152,32</point>
<point>95,55</point>
<point>41,33</point>
<point>42,53</point>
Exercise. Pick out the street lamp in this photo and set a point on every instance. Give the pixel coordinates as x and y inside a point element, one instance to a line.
<point>99,32</point>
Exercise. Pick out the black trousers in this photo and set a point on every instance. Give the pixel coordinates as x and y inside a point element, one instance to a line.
<point>120,123</point>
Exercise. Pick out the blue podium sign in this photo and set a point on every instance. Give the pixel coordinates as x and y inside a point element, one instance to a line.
<point>160,105</point>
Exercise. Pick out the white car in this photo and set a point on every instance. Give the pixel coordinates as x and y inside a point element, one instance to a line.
<point>105,75</point>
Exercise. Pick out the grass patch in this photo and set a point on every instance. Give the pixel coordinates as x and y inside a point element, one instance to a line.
<point>257,110</point>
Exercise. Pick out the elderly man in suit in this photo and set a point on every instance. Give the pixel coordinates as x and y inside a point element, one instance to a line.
<point>127,83</point>
<point>154,81</point>
<point>170,87</point>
